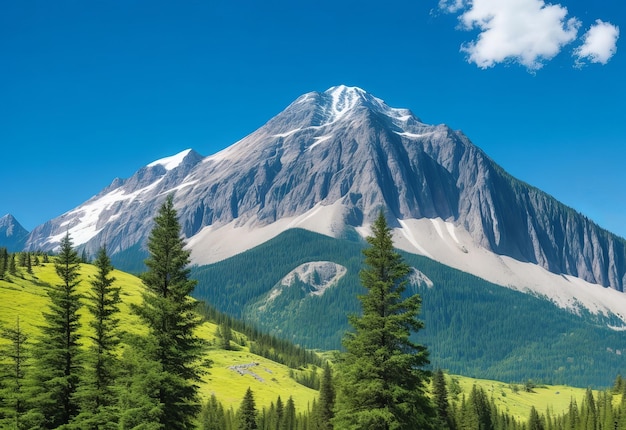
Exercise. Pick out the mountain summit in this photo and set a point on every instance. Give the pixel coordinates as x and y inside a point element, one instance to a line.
<point>12,234</point>
<point>328,163</point>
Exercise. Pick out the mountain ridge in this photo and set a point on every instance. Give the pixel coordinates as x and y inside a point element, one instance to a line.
<point>329,162</point>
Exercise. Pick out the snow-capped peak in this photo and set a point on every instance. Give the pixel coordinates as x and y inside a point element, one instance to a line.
<point>172,162</point>
<point>344,99</point>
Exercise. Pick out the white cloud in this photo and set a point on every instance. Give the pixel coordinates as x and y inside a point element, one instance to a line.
<point>599,43</point>
<point>525,31</point>
<point>451,6</point>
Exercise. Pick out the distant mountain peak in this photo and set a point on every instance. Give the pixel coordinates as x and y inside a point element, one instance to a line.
<point>12,234</point>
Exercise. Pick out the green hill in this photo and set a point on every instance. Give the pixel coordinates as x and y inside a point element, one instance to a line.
<point>25,296</point>
<point>514,400</point>
<point>233,372</point>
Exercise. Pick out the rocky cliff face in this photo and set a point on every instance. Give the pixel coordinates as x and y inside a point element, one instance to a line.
<point>347,149</point>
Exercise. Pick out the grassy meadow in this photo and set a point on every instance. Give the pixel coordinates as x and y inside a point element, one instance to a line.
<point>25,296</point>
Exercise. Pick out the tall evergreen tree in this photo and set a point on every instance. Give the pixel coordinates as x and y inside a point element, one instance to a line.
<point>57,351</point>
<point>12,265</point>
<point>280,413</point>
<point>246,415</point>
<point>534,421</point>
<point>13,375</point>
<point>4,262</point>
<point>225,335</point>
<point>323,410</point>
<point>440,397</point>
<point>289,415</point>
<point>169,313</point>
<point>97,394</point>
<point>29,264</point>
<point>381,382</point>
<point>212,416</point>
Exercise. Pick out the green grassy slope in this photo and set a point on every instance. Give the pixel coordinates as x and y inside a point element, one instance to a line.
<point>25,296</point>
<point>513,400</point>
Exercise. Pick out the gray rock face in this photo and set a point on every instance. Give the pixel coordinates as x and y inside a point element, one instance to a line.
<point>12,234</point>
<point>346,146</point>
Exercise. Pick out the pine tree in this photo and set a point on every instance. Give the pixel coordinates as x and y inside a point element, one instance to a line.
<point>97,394</point>
<point>212,416</point>
<point>29,264</point>
<point>480,414</point>
<point>588,412</point>
<point>289,416</point>
<point>440,397</point>
<point>169,313</point>
<point>381,382</point>
<point>12,266</point>
<point>246,415</point>
<point>13,375</point>
<point>323,410</point>
<point>534,421</point>
<point>4,262</point>
<point>280,413</point>
<point>22,259</point>
<point>57,351</point>
<point>225,335</point>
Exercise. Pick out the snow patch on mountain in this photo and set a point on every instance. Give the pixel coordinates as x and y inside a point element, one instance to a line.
<point>343,100</point>
<point>87,220</point>
<point>412,135</point>
<point>318,140</point>
<point>288,133</point>
<point>218,242</point>
<point>453,246</point>
<point>170,163</point>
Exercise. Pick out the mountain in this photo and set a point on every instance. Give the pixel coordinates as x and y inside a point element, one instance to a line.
<point>12,234</point>
<point>328,163</point>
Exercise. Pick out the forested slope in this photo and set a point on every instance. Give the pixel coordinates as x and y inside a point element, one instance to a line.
<point>473,327</point>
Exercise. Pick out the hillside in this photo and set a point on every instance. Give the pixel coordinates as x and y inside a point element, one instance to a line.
<point>26,297</point>
<point>473,327</point>
<point>514,400</point>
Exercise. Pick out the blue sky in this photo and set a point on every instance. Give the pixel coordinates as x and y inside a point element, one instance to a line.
<point>90,91</point>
